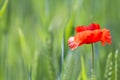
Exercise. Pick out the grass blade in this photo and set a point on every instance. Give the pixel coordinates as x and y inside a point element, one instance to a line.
<point>2,10</point>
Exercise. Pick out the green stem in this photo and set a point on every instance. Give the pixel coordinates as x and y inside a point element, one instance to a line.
<point>92,58</point>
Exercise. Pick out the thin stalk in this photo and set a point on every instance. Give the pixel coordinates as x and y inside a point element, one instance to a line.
<point>92,58</point>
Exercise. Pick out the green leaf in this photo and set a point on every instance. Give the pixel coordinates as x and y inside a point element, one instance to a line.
<point>69,30</point>
<point>83,73</point>
<point>2,10</point>
<point>24,48</point>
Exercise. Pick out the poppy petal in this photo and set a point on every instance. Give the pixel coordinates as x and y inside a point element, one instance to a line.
<point>106,37</point>
<point>81,36</point>
<point>90,27</point>
<point>93,26</point>
<point>97,35</point>
<point>80,28</point>
<point>72,44</point>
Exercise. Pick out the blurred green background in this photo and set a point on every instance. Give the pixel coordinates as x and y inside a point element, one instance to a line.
<point>34,35</point>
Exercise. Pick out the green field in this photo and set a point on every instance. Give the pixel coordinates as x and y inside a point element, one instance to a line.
<point>34,40</point>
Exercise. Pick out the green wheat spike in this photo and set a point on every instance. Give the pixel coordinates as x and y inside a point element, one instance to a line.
<point>118,72</point>
<point>116,64</point>
<point>50,69</point>
<point>93,77</point>
<point>109,67</point>
<point>49,58</point>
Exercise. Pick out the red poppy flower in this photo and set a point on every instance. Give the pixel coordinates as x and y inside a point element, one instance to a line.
<point>90,27</point>
<point>88,35</point>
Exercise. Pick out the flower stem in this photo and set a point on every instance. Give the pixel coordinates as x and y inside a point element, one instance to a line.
<point>92,59</point>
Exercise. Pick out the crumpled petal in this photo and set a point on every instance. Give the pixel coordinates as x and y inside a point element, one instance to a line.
<point>106,37</point>
<point>82,36</point>
<point>88,37</point>
<point>72,44</point>
<point>97,34</point>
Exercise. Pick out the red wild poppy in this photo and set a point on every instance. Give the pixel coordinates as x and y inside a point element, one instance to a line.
<point>88,35</point>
